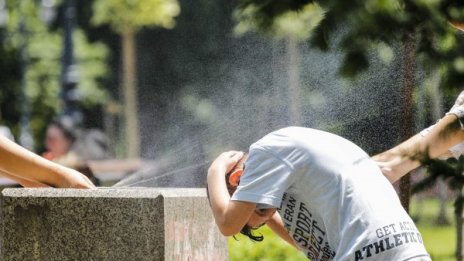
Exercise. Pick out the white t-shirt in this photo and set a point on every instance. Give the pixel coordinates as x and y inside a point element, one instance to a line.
<point>332,197</point>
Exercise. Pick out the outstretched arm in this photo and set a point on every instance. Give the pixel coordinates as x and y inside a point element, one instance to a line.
<point>230,215</point>
<point>277,225</point>
<point>23,182</point>
<point>436,141</point>
<point>405,157</point>
<point>26,166</point>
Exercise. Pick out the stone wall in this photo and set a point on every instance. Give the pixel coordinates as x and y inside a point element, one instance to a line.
<point>109,224</point>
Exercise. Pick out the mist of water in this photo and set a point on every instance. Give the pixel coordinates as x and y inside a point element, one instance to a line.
<point>244,95</point>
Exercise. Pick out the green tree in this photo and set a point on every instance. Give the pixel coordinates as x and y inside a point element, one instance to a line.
<point>293,28</point>
<point>42,60</point>
<point>126,18</point>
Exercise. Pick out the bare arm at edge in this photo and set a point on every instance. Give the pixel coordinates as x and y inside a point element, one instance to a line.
<point>277,225</point>
<point>18,161</point>
<point>23,182</point>
<point>397,162</point>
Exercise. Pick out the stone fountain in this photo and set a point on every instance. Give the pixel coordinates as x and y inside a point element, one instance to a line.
<point>109,224</point>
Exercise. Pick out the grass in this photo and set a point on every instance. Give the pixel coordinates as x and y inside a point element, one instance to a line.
<point>272,248</point>
<point>440,241</point>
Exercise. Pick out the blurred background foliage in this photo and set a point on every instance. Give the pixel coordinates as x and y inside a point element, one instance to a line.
<point>41,58</point>
<point>377,22</point>
<point>126,15</point>
<point>298,25</point>
<point>201,59</point>
<point>127,18</point>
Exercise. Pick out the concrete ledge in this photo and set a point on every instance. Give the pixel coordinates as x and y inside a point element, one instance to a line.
<point>109,224</point>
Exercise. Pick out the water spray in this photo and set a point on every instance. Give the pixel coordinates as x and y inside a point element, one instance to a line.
<point>137,178</point>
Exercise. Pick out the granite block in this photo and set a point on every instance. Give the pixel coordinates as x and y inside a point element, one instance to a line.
<point>109,224</point>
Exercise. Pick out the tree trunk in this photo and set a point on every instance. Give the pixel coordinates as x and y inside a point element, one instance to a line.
<point>294,82</point>
<point>437,113</point>
<point>25,138</point>
<point>407,119</point>
<point>131,120</point>
<point>459,226</point>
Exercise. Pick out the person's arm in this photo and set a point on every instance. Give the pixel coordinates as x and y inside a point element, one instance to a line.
<point>18,161</point>
<point>23,182</point>
<point>277,226</point>
<point>405,157</point>
<point>230,216</point>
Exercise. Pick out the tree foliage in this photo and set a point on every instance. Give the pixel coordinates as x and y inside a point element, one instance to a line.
<point>126,18</point>
<point>372,22</point>
<point>42,66</point>
<point>123,15</point>
<point>452,171</point>
<point>296,25</point>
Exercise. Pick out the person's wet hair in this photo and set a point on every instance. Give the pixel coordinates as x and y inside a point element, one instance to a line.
<point>247,231</point>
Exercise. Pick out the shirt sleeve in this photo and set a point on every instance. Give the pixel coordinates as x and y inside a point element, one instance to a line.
<point>265,180</point>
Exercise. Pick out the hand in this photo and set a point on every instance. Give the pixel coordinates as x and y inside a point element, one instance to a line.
<point>458,108</point>
<point>74,179</point>
<point>226,161</point>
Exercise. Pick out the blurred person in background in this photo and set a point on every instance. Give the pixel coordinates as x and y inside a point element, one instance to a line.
<point>60,137</point>
<point>72,147</point>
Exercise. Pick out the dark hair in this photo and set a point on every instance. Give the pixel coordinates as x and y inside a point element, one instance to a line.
<point>67,126</point>
<point>247,231</point>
